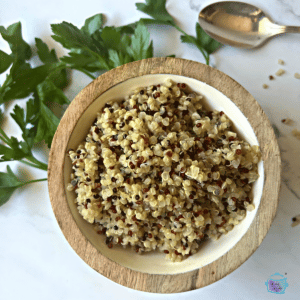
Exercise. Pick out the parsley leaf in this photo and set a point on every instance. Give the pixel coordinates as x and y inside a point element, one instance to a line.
<point>5,61</point>
<point>208,43</point>
<point>21,52</point>
<point>20,150</point>
<point>111,37</point>
<point>9,182</point>
<point>203,41</point>
<point>46,126</point>
<point>45,55</point>
<point>39,117</point>
<point>113,46</point>
<point>47,122</point>
<point>82,60</point>
<point>13,35</point>
<point>118,58</point>
<point>25,81</point>
<point>48,92</point>
<point>93,24</point>
<point>157,10</point>
<point>17,68</point>
<point>140,47</point>
<point>37,124</point>
<point>70,36</point>
<point>129,47</point>
<point>126,29</point>
<point>15,150</point>
<point>23,120</point>
<point>59,77</point>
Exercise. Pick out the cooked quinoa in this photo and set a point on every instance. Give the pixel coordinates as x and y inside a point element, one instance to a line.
<point>297,75</point>
<point>158,171</point>
<point>296,133</point>
<point>280,72</point>
<point>265,86</point>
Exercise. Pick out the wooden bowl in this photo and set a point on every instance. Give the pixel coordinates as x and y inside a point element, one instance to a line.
<point>151,272</point>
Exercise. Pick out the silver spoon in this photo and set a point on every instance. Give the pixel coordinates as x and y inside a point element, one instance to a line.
<point>240,24</point>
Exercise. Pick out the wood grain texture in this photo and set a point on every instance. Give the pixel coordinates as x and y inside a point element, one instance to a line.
<point>228,262</point>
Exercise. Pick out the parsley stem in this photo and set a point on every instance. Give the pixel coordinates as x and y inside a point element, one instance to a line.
<point>36,180</point>
<point>3,136</point>
<point>35,163</point>
<point>206,56</point>
<point>179,29</point>
<point>99,57</point>
<point>85,72</point>
<point>7,82</point>
<point>207,60</point>
<point>29,164</point>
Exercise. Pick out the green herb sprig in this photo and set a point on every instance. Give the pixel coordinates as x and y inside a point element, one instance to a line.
<point>9,182</point>
<point>93,48</point>
<point>157,10</point>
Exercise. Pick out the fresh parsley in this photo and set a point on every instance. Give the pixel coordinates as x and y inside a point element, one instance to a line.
<point>5,61</point>
<point>202,41</point>
<point>20,50</point>
<point>93,48</point>
<point>24,82</point>
<point>9,182</point>
<point>157,10</point>
<point>47,56</point>
<point>12,148</point>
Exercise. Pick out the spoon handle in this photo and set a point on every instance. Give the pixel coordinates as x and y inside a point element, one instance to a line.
<point>291,29</point>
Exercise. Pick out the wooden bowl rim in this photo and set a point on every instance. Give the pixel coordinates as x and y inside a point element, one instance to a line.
<point>229,261</point>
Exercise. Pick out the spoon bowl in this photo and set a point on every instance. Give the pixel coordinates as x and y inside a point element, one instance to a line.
<point>240,24</point>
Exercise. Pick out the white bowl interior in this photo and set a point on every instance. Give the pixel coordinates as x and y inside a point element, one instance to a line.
<point>155,263</point>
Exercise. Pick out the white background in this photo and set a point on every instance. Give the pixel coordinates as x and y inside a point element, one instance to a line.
<point>36,262</point>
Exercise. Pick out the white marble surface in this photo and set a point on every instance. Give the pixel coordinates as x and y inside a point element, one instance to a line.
<point>36,262</point>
